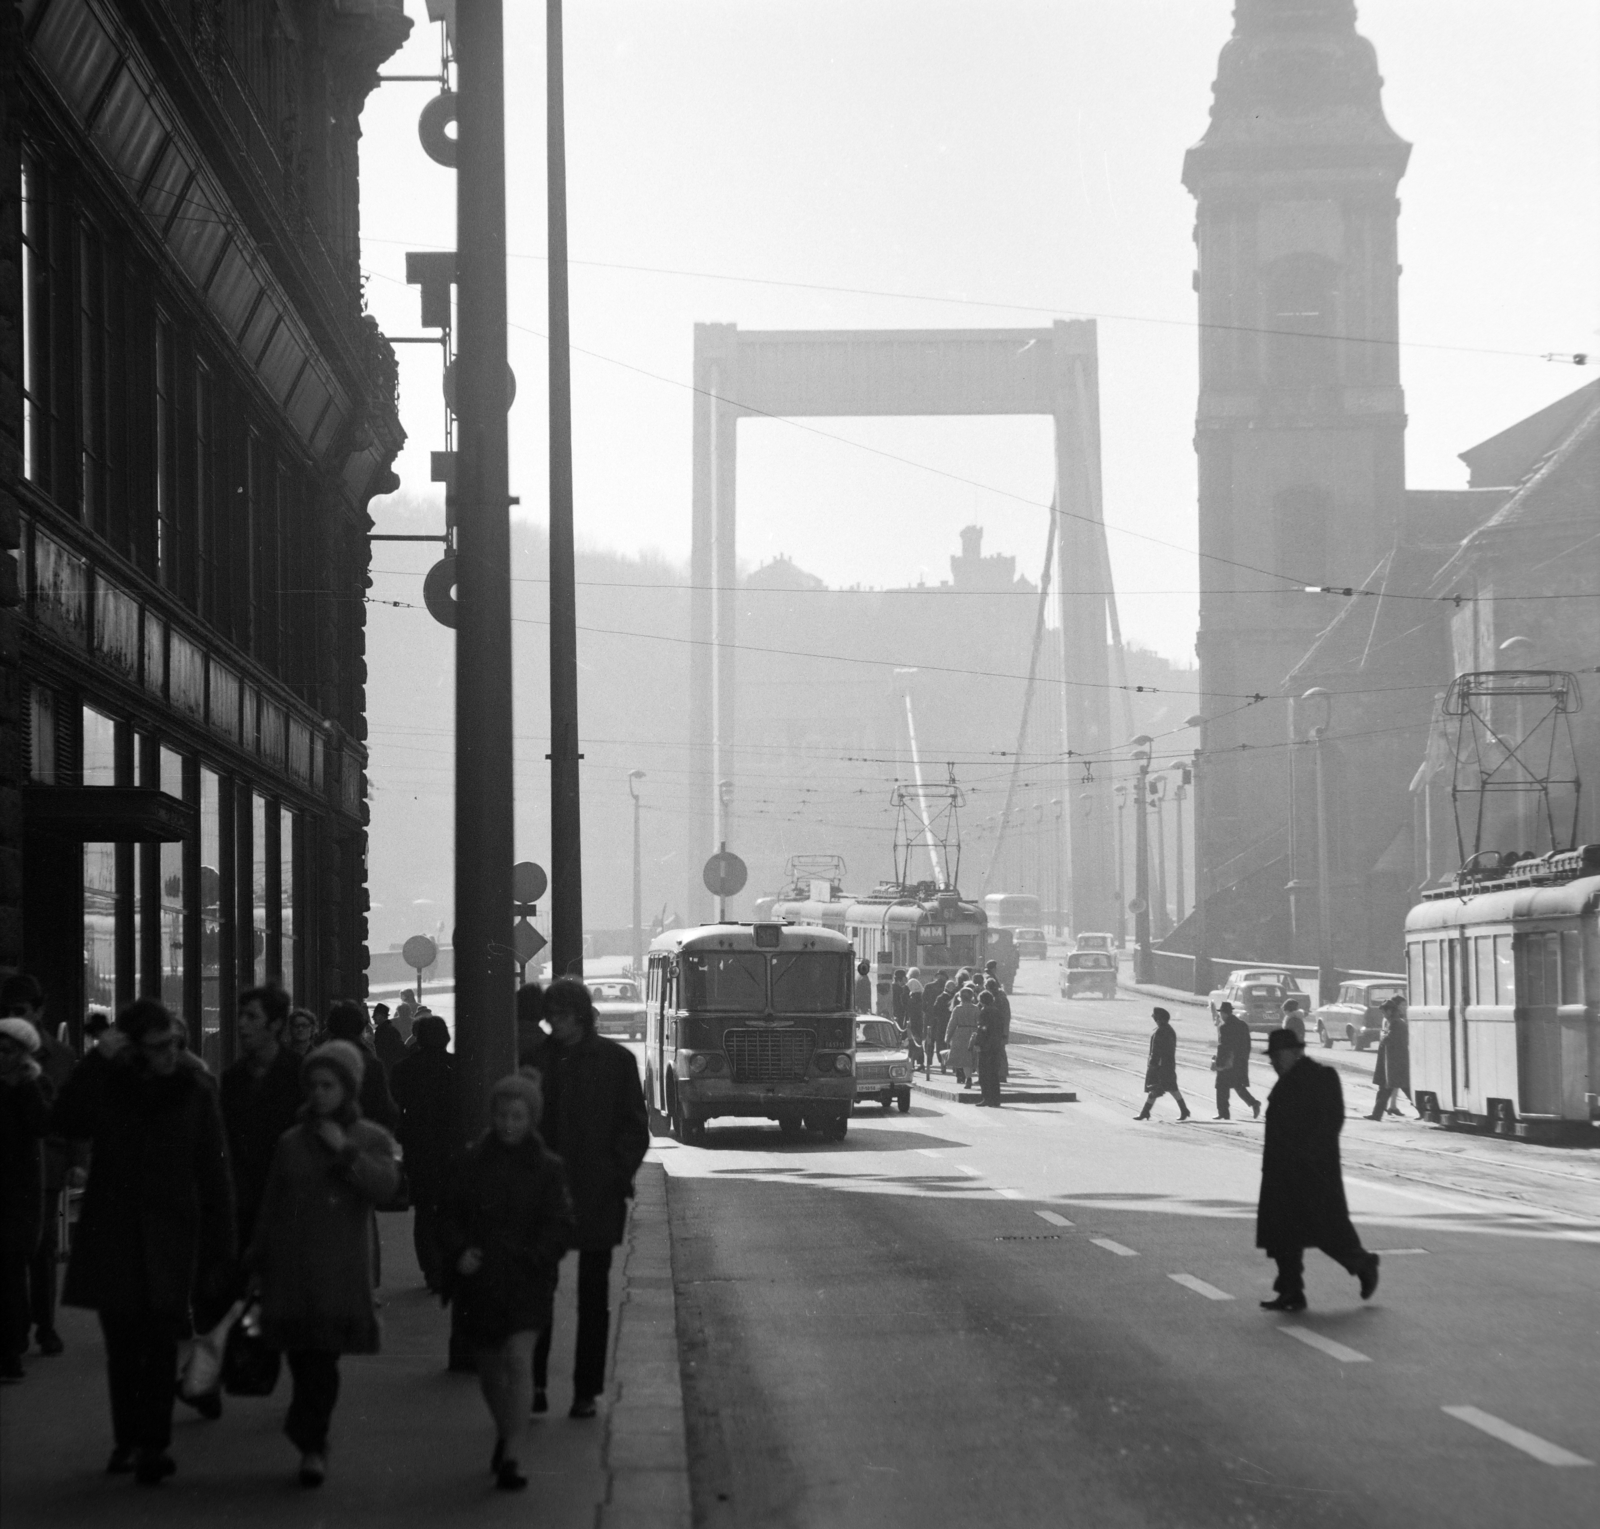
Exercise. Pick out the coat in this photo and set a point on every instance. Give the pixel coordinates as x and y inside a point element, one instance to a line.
<point>939,1017</point>
<point>1161,1071</point>
<point>377,1103</point>
<point>388,1044</point>
<point>255,1114</point>
<point>312,1249</point>
<point>595,1122</point>
<point>156,1223</point>
<point>916,1016</point>
<point>1302,1202</point>
<point>963,1025</point>
<point>988,1044</point>
<point>1394,1058</point>
<point>424,1085</point>
<point>863,994</point>
<point>1233,1052</point>
<point>57,1061</point>
<point>23,1112</point>
<point>512,1204</point>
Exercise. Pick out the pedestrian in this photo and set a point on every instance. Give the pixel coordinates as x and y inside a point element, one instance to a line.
<point>1294,1019</point>
<point>424,1086</point>
<point>23,1111</point>
<point>963,1026</point>
<point>156,1223</point>
<point>992,984</point>
<point>939,1022</point>
<point>863,987</point>
<point>261,1098</point>
<point>387,1041</point>
<point>1232,1063</point>
<point>22,997</point>
<point>1302,1201</point>
<point>1392,1075</point>
<point>1161,1071</point>
<point>505,1222</point>
<point>988,1042</point>
<point>917,1021</point>
<point>595,1122</point>
<point>301,1035</point>
<point>406,1013</point>
<point>311,1255</point>
<point>347,1021</point>
<point>899,994</point>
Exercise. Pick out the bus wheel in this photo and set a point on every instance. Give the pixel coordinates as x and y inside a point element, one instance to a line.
<point>789,1126</point>
<point>836,1128</point>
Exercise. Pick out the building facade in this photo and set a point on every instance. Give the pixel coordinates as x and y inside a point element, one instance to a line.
<point>194,415</point>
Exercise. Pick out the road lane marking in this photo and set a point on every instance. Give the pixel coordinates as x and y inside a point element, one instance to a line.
<point>1052,1218</point>
<point>929,1152</point>
<point>1200,1287</point>
<point>974,1172</point>
<point>1327,1345</point>
<point>1398,1252</point>
<point>1518,1438</point>
<point>1113,1247</point>
<point>1011,1194</point>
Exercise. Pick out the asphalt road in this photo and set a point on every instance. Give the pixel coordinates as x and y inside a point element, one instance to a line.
<point>1047,1314</point>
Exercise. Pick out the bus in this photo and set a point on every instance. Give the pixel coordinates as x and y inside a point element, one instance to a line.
<point>750,1020</point>
<point>1503,976</point>
<point>1013,910</point>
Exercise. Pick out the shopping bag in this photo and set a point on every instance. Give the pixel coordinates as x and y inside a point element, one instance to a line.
<point>249,1363</point>
<point>202,1365</point>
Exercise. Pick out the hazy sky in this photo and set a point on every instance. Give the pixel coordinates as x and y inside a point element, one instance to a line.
<point>970,164</point>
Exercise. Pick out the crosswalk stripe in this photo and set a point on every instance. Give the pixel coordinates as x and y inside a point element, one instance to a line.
<point>1200,1287</point>
<point>974,1172</point>
<point>1012,1194</point>
<point>1326,1345</point>
<point>1052,1218</point>
<point>1113,1247</point>
<point>1518,1438</point>
<point>929,1152</point>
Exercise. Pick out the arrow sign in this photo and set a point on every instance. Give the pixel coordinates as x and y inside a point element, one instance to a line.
<point>725,874</point>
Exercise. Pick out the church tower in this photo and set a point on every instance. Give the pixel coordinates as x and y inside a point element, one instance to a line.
<point>1300,429</point>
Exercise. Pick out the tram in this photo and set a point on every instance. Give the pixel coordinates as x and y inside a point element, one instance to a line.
<point>1504,1012</point>
<point>934,929</point>
<point>752,1020</point>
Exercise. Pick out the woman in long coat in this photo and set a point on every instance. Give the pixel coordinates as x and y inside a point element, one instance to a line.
<point>505,1222</point>
<point>1161,1071</point>
<point>963,1025</point>
<point>1392,1075</point>
<point>312,1250</point>
<point>989,1043</point>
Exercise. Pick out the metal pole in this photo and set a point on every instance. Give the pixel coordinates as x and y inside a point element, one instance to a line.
<point>1177,798</point>
<point>1142,960</point>
<point>566,837</point>
<point>1159,797</point>
<point>1202,949</point>
<point>1122,873</point>
<point>485,970</point>
<point>638,916</point>
<point>1326,980</point>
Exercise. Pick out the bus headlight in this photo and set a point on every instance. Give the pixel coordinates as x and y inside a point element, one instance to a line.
<point>841,1063</point>
<point>697,1064</point>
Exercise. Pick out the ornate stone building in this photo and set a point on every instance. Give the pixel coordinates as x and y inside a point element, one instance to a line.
<point>194,414</point>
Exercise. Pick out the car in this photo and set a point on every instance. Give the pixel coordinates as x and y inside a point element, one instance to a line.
<point>1094,942</point>
<point>1286,980</point>
<point>1088,973</point>
<point>1257,998</point>
<point>618,1008</point>
<point>883,1064</point>
<point>1030,944</point>
<point>1356,1015</point>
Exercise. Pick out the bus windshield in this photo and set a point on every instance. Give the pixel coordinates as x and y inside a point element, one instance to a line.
<point>725,979</point>
<point>810,982</point>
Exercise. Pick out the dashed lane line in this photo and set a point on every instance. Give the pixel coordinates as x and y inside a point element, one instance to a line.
<point>928,1152</point>
<point>1326,1345</point>
<point>1200,1287</point>
<point>1113,1247</point>
<point>1011,1194</point>
<point>1399,1252</point>
<point>976,1173</point>
<point>1052,1218</point>
<point>1518,1438</point>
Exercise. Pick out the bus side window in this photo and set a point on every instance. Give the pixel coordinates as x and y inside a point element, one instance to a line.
<point>1572,966</point>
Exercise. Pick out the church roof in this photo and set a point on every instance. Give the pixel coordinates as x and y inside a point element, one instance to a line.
<point>1509,456</point>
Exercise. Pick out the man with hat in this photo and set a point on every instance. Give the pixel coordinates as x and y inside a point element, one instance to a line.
<point>1161,1074</point>
<point>1392,1075</point>
<point>1232,1063</point>
<point>1302,1201</point>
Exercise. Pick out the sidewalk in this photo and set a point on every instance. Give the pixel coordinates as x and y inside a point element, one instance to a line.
<point>1023,1086</point>
<point>410,1440</point>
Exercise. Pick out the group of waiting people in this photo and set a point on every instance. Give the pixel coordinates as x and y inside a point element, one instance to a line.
<point>961,1022</point>
<point>204,1194</point>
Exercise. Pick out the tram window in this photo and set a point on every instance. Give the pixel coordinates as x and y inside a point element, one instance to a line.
<point>1541,971</point>
<point>1571,966</point>
<point>1505,972</point>
<point>1483,969</point>
<point>1414,969</point>
<point>725,980</point>
<point>1431,992</point>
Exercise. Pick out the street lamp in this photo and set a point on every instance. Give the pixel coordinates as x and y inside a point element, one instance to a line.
<point>638,918</point>
<point>1143,960</point>
<point>1326,977</point>
<point>1122,883</point>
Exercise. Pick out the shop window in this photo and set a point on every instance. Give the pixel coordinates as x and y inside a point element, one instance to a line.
<point>258,886</point>
<point>172,890</point>
<point>99,749</point>
<point>211,909</point>
<point>43,741</point>
<point>100,925</point>
<point>288,824</point>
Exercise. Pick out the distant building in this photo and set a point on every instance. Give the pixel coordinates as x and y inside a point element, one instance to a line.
<point>194,414</point>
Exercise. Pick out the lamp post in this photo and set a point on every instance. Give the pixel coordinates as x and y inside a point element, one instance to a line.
<point>1179,793</point>
<point>1202,874</point>
<point>638,892</point>
<point>725,806</point>
<point>1122,881</point>
<point>1327,978</point>
<point>1143,960</point>
<point>1057,879</point>
<point>1158,800</point>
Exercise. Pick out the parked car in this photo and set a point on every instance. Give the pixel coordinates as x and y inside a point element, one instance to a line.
<point>1356,1015</point>
<point>1286,980</point>
<point>1000,946</point>
<point>1257,999</point>
<point>883,1064</point>
<point>1088,974</point>
<point>1094,942</point>
<point>1030,944</point>
<point>618,1009</point>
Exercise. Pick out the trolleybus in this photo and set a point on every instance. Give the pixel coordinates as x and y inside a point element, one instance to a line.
<point>752,1020</point>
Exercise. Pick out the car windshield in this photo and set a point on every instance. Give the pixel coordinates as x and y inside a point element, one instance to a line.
<point>878,1035</point>
<point>613,992</point>
<point>725,979</point>
<point>1030,934</point>
<point>810,982</point>
<point>1091,961</point>
<point>1377,995</point>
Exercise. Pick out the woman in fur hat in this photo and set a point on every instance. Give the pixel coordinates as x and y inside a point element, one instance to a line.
<point>312,1251</point>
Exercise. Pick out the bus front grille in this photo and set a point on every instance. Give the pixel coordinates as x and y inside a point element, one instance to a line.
<point>768,1056</point>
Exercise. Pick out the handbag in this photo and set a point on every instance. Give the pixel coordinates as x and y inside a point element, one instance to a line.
<point>250,1364</point>
<point>202,1365</point>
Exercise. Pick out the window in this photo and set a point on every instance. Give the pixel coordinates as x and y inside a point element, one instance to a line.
<point>211,909</point>
<point>1414,971</point>
<point>1432,992</point>
<point>731,980</point>
<point>96,365</point>
<point>99,749</point>
<point>166,442</point>
<point>32,330</point>
<point>1504,970</point>
<point>810,982</point>
<point>1571,966</point>
<point>258,884</point>
<point>172,952</point>
<point>43,291</point>
<point>286,888</point>
<point>205,492</point>
<point>1483,969</point>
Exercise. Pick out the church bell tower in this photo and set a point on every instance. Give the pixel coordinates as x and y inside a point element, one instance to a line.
<point>1300,428</point>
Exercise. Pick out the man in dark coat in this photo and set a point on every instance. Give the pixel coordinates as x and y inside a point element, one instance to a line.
<point>1302,1187</point>
<point>261,1098</point>
<point>917,1020</point>
<point>988,1042</point>
<point>156,1224</point>
<point>424,1085</point>
<point>939,1019</point>
<point>22,1121</point>
<point>387,1040</point>
<point>1392,1075</point>
<point>1233,1062</point>
<point>347,1021</point>
<point>1161,1071</point>
<point>595,1122</point>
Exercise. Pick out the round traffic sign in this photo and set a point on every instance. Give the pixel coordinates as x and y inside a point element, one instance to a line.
<point>725,874</point>
<point>419,952</point>
<point>1137,905</point>
<point>528,882</point>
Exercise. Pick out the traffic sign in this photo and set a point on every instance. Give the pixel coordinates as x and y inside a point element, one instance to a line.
<point>528,882</point>
<point>526,941</point>
<point>725,874</point>
<point>419,952</point>
<point>1137,905</point>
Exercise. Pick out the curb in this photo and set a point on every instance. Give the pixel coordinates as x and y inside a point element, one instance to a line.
<point>1171,995</point>
<point>646,1454</point>
<point>1007,1096</point>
